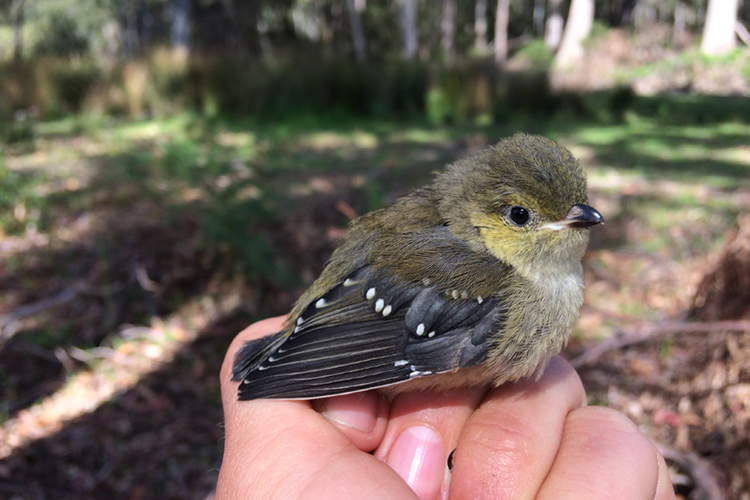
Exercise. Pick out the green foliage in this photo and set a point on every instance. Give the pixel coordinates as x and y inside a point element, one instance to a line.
<point>599,30</point>
<point>462,93</point>
<point>21,204</point>
<point>165,83</point>
<point>20,130</point>
<point>535,55</point>
<point>738,54</point>
<point>620,101</point>
<point>694,110</point>
<point>50,86</point>
<point>181,160</point>
<point>70,28</point>
<point>238,85</point>
<point>239,229</point>
<point>606,106</point>
<point>440,109</point>
<point>72,83</point>
<point>62,37</point>
<point>527,92</point>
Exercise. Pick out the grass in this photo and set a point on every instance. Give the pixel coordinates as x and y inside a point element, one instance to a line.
<point>666,190</point>
<point>158,216</point>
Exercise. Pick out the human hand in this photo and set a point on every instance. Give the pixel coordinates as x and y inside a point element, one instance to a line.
<point>529,439</point>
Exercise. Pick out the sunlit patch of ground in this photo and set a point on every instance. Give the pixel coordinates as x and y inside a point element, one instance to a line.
<point>160,229</point>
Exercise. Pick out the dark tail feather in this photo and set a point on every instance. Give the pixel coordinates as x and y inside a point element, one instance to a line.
<point>253,353</point>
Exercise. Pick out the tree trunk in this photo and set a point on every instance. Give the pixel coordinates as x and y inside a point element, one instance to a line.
<point>480,25</point>
<point>621,12</point>
<point>501,31</point>
<point>554,28</point>
<point>538,16</point>
<point>718,33</point>
<point>355,8</point>
<point>678,31</point>
<point>407,15</point>
<point>577,29</point>
<point>180,35</point>
<point>17,12</point>
<point>130,40</point>
<point>448,28</point>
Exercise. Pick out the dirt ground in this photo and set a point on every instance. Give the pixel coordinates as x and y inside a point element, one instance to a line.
<point>144,419</point>
<point>115,321</point>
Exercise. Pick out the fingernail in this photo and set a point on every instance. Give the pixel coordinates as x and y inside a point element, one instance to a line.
<point>419,458</point>
<point>358,411</point>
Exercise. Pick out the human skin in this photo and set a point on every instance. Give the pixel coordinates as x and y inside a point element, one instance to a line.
<point>523,440</point>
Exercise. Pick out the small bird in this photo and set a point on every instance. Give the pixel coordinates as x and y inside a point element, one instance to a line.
<point>473,279</point>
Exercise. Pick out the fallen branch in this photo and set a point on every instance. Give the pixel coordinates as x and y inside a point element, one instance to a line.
<point>653,332</point>
<point>699,469</point>
<point>742,33</point>
<point>9,322</point>
<point>87,356</point>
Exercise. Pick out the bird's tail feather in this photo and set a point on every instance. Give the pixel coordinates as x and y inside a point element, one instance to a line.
<point>254,352</point>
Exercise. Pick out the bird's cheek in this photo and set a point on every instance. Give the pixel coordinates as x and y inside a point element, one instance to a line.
<point>494,235</point>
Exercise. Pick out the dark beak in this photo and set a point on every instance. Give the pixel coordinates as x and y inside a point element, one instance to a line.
<point>580,216</point>
<point>583,216</point>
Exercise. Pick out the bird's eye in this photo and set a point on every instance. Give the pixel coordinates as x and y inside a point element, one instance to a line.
<point>519,215</point>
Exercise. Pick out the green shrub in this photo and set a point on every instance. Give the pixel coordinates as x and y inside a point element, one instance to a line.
<point>239,85</point>
<point>62,37</point>
<point>535,56</point>
<point>73,81</point>
<point>20,202</point>
<point>463,93</point>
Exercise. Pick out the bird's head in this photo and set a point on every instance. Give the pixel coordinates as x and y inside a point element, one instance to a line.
<point>524,200</point>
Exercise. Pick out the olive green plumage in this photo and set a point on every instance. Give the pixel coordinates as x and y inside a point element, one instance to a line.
<point>476,276</point>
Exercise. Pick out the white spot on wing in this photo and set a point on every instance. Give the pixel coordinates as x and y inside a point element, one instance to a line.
<point>480,299</point>
<point>379,305</point>
<point>320,303</point>
<point>431,334</point>
<point>387,310</point>
<point>349,282</point>
<point>420,329</point>
<point>401,363</point>
<point>370,293</point>
<point>300,321</point>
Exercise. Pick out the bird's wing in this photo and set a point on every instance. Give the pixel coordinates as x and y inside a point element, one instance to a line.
<point>400,331</point>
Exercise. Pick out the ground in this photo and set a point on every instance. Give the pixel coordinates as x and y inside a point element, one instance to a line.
<point>133,252</point>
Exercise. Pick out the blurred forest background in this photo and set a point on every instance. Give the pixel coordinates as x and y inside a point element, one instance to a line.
<point>172,170</point>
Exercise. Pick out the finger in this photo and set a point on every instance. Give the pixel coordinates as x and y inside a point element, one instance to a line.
<point>254,331</point>
<point>362,417</point>
<point>604,455</point>
<point>664,488</point>
<point>284,449</point>
<point>423,430</point>
<point>509,444</point>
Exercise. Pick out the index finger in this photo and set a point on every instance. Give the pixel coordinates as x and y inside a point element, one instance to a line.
<point>508,446</point>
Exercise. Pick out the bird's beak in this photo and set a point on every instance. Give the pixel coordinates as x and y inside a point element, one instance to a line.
<point>580,216</point>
